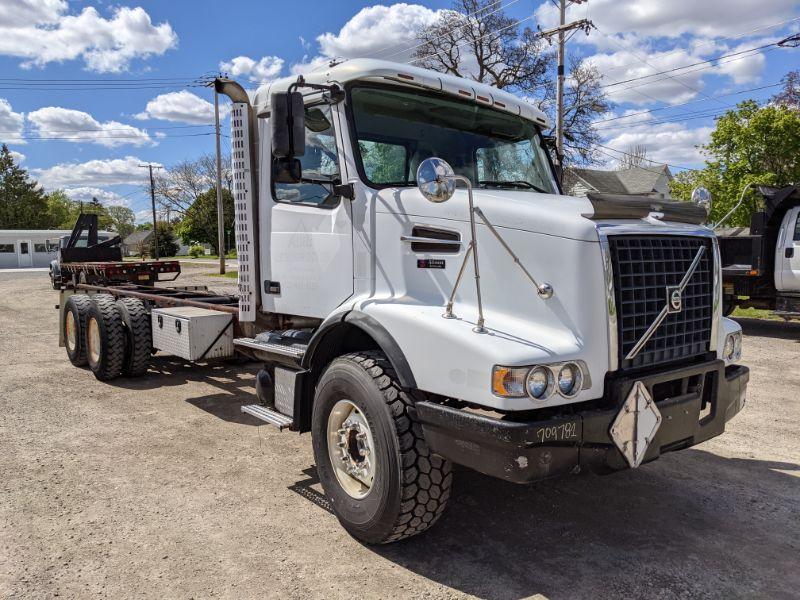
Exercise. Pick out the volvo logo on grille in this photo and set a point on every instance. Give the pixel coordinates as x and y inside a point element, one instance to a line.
<point>674,299</point>
<point>673,305</point>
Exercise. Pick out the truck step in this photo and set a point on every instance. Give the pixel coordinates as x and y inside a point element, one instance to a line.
<point>270,416</point>
<point>293,351</point>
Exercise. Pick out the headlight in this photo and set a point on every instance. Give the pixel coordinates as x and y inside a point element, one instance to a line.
<point>733,346</point>
<point>540,383</point>
<point>569,380</point>
<point>727,352</point>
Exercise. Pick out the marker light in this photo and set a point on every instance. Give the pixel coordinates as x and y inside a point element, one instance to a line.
<point>509,382</point>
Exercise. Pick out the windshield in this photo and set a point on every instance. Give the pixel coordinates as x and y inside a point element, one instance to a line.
<point>396,130</point>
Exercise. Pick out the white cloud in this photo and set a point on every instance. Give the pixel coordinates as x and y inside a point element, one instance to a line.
<point>106,197</point>
<point>78,126</point>
<point>672,143</point>
<point>260,71</point>
<point>388,32</point>
<point>743,69</point>
<point>93,173</point>
<point>44,32</point>
<point>17,156</point>
<point>709,18</point>
<point>182,107</point>
<point>12,123</point>
<point>378,32</point>
<point>621,66</point>
<point>18,13</point>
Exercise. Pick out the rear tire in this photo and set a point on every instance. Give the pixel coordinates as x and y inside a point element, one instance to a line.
<point>105,338</point>
<point>403,487</point>
<point>76,310</point>
<point>138,336</point>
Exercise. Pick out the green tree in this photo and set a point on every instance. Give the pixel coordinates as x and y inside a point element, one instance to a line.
<point>60,210</point>
<point>167,245</point>
<point>751,144</point>
<point>199,223</point>
<point>123,220</point>
<point>23,204</point>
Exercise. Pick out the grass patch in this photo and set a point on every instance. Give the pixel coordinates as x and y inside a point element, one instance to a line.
<point>228,274</point>
<point>754,313</point>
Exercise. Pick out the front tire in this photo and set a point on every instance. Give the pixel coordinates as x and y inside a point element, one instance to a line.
<point>105,338</point>
<point>386,485</point>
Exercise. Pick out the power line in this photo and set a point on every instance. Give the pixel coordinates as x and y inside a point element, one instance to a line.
<point>673,70</point>
<point>652,110</point>
<point>514,24</point>
<point>506,5</point>
<point>118,129</point>
<point>701,68</point>
<point>710,42</point>
<point>13,139</point>
<point>655,162</point>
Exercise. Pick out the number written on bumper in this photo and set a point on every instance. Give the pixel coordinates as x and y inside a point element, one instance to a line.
<point>562,432</point>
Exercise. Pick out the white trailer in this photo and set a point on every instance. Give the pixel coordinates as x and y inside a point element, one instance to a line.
<point>421,293</point>
<point>28,248</point>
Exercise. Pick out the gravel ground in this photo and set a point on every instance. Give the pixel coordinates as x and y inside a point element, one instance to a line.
<point>160,488</point>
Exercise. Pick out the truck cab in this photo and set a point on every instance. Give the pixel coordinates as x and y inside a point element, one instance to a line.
<point>421,293</point>
<point>449,304</point>
<point>761,264</point>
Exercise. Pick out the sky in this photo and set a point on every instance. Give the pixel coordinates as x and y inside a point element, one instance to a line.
<point>89,91</point>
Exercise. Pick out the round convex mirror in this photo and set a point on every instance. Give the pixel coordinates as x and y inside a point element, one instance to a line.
<point>702,198</point>
<point>435,180</point>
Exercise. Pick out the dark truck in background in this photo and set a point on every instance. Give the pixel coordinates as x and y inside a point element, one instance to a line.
<point>761,264</point>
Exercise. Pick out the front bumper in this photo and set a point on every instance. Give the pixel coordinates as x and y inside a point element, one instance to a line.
<point>695,403</point>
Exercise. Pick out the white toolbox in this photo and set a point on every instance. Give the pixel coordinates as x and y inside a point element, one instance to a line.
<point>193,333</point>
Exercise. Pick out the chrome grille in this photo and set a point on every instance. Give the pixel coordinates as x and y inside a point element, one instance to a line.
<point>644,267</point>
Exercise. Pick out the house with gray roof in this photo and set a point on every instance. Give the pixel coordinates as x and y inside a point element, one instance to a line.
<point>650,181</point>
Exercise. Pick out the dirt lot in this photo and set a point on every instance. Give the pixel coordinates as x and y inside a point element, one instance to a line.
<point>160,488</point>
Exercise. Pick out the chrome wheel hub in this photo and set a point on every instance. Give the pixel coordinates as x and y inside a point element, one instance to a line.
<point>72,334</point>
<point>93,341</point>
<point>351,448</point>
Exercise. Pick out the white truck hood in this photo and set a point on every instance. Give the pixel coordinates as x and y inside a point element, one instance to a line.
<point>548,214</point>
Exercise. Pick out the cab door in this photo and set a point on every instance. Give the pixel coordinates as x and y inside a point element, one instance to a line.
<point>787,253</point>
<point>311,233</point>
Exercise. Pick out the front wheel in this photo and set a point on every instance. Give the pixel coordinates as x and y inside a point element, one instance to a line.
<point>382,481</point>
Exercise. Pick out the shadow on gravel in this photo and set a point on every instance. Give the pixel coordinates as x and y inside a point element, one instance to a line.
<point>772,329</point>
<point>662,531</point>
<point>236,383</point>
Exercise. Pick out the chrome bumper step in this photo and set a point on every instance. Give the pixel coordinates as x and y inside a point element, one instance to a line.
<point>268,415</point>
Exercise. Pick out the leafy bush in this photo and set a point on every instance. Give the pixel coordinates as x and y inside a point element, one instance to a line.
<point>196,251</point>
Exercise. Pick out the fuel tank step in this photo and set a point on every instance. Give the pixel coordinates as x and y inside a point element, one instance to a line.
<point>267,415</point>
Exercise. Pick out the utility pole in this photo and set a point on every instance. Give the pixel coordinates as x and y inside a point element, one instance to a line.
<point>560,85</point>
<point>150,167</point>
<point>220,210</point>
<point>562,28</point>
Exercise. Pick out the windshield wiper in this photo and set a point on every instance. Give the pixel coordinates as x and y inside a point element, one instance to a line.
<point>514,184</point>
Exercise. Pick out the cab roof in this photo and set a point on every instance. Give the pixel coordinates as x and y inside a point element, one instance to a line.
<point>368,69</point>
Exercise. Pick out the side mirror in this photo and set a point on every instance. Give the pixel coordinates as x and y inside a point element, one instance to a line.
<point>435,180</point>
<point>702,197</point>
<point>286,170</point>
<point>288,124</point>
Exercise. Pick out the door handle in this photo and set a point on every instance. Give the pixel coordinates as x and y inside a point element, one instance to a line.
<point>427,240</point>
<point>789,252</point>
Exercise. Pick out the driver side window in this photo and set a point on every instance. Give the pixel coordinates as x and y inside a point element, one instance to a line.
<point>320,163</point>
<point>796,237</point>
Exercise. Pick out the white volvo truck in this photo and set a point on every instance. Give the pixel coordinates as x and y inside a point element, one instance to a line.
<point>422,293</point>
